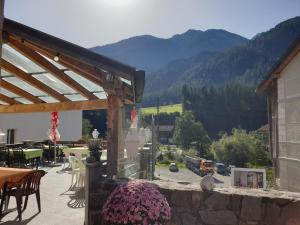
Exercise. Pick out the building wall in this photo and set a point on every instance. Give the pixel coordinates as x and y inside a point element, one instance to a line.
<point>289,125</point>
<point>35,126</point>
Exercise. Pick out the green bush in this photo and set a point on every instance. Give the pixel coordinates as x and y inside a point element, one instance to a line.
<point>241,149</point>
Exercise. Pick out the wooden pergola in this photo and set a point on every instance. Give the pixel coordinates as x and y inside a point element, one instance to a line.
<point>42,73</point>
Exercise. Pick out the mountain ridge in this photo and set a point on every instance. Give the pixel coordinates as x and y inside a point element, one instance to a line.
<point>200,58</point>
<point>150,53</point>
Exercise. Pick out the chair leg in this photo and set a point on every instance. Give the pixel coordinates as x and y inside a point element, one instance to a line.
<point>25,204</point>
<point>19,206</point>
<point>2,203</point>
<point>72,179</point>
<point>7,202</point>
<point>38,199</point>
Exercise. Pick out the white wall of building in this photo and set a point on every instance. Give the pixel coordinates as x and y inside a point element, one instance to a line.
<point>289,125</point>
<point>35,126</point>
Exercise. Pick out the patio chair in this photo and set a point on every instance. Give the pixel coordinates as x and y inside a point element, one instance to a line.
<point>75,170</point>
<point>29,185</point>
<point>81,173</point>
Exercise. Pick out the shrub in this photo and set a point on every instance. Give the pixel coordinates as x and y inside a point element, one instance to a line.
<point>241,149</point>
<point>136,202</point>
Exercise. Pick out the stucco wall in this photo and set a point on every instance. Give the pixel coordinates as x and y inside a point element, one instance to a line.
<point>289,125</point>
<point>35,126</point>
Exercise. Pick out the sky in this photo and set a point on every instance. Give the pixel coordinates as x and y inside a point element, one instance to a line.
<point>97,22</point>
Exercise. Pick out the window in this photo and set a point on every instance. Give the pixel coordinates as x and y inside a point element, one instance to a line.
<point>11,136</point>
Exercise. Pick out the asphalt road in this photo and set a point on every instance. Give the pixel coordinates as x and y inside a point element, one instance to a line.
<point>185,175</point>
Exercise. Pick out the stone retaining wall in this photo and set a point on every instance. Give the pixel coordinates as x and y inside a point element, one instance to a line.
<point>191,206</point>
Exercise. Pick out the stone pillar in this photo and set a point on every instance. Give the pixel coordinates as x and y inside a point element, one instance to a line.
<point>93,176</point>
<point>145,158</point>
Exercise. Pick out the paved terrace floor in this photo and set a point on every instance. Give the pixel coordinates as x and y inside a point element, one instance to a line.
<point>60,206</point>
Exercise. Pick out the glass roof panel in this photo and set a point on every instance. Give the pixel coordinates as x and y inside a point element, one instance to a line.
<point>20,61</point>
<point>125,81</point>
<point>91,86</point>
<point>76,97</point>
<point>8,93</point>
<point>3,103</point>
<point>101,95</point>
<point>4,73</point>
<point>59,66</point>
<point>23,85</point>
<point>48,99</point>
<point>23,100</point>
<point>54,83</point>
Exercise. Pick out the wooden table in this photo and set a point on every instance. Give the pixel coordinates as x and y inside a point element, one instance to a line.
<point>14,175</point>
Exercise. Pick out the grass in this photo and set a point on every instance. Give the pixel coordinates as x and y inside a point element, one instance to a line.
<point>165,148</point>
<point>179,165</point>
<point>163,109</point>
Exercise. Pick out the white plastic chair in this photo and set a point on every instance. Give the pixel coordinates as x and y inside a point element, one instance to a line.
<point>75,170</point>
<point>81,173</point>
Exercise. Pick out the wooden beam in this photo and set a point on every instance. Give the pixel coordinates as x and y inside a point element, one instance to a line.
<point>12,88</point>
<point>32,81</point>
<point>68,49</point>
<point>48,66</point>
<point>91,73</point>
<point>50,107</point>
<point>1,27</point>
<point>8,100</point>
<point>115,147</point>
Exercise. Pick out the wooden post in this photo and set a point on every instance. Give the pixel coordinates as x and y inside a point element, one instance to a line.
<point>115,146</point>
<point>1,27</point>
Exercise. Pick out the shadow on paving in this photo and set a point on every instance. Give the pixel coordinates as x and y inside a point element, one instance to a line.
<point>77,199</point>
<point>23,222</point>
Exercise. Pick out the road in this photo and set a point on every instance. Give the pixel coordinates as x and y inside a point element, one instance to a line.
<point>185,175</point>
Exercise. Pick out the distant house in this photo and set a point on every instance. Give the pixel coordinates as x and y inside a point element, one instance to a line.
<point>165,133</point>
<point>282,87</point>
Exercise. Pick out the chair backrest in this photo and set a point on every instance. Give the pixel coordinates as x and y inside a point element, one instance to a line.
<point>73,162</point>
<point>28,184</point>
<point>34,180</point>
<point>81,166</point>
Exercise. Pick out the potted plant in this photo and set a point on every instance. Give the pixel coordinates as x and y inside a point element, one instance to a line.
<point>94,146</point>
<point>136,202</point>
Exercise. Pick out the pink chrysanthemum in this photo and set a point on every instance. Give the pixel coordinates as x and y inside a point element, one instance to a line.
<point>137,203</point>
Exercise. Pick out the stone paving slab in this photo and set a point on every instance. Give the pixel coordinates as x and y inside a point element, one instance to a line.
<point>60,206</point>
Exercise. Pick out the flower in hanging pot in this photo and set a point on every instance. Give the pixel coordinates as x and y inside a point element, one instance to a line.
<point>136,202</point>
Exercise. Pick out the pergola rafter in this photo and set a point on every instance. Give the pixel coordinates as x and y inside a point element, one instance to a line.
<point>8,100</point>
<point>75,68</point>
<point>44,63</point>
<point>18,91</point>
<point>91,73</point>
<point>7,66</point>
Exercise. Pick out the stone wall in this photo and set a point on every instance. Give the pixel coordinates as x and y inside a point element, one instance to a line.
<point>192,206</point>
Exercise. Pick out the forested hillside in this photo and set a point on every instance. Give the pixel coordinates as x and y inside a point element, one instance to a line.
<point>246,64</point>
<point>219,71</point>
<point>226,107</point>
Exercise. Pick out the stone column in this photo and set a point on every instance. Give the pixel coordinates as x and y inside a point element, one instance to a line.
<point>93,176</point>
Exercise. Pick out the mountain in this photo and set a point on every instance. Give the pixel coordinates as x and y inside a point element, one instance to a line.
<point>151,53</point>
<point>247,63</point>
